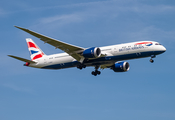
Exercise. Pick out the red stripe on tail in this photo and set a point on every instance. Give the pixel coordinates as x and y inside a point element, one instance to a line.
<point>37,56</point>
<point>30,44</point>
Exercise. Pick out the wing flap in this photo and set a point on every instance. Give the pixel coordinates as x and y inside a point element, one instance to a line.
<point>21,59</point>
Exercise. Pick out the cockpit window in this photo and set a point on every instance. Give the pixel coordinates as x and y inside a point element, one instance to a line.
<point>157,44</point>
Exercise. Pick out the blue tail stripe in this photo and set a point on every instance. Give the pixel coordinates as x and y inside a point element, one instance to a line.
<point>33,52</point>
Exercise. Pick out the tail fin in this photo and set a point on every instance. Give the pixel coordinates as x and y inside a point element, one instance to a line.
<point>35,51</point>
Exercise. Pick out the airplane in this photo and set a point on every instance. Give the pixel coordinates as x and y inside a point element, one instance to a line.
<point>112,57</point>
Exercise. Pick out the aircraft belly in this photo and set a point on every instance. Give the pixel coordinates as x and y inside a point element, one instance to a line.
<point>60,63</point>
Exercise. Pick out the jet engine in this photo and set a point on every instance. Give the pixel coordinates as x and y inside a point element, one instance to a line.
<point>120,67</point>
<point>93,52</point>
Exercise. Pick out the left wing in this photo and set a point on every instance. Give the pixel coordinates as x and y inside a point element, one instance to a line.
<point>72,50</point>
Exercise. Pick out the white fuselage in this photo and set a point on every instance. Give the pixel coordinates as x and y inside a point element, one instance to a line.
<point>112,54</point>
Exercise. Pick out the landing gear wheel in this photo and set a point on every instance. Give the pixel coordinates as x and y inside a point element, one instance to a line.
<point>81,67</point>
<point>94,73</point>
<point>98,72</point>
<point>151,60</point>
<point>84,66</point>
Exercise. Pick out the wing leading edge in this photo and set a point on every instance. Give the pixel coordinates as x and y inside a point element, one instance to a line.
<point>72,50</point>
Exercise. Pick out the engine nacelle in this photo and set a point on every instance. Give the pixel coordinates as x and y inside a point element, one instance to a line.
<point>121,67</point>
<point>93,52</point>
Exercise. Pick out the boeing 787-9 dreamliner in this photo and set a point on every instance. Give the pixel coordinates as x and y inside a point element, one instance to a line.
<point>112,57</point>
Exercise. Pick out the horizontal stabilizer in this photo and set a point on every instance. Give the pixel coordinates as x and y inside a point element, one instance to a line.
<point>21,59</point>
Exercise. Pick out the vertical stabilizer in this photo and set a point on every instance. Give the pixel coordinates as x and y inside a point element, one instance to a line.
<point>35,51</point>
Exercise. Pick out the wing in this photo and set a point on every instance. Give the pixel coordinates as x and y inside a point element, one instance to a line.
<point>21,59</point>
<point>72,50</point>
<point>106,66</point>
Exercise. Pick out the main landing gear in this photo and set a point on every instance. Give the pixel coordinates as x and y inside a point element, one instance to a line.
<point>96,72</point>
<point>151,60</point>
<point>81,66</point>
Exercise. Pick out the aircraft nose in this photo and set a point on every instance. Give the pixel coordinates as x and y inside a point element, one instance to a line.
<point>163,49</point>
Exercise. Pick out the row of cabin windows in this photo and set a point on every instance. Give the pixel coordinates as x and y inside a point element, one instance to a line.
<point>58,57</point>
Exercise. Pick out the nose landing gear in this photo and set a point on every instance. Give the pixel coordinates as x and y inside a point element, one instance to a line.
<point>151,60</point>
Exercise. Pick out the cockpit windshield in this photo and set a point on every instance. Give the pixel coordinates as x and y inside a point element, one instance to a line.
<point>157,44</point>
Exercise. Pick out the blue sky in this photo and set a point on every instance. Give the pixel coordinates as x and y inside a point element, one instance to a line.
<point>145,92</point>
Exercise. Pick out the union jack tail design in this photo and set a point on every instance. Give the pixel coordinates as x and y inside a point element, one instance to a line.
<point>35,51</point>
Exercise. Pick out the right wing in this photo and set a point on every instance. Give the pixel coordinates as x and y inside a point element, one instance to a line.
<point>21,59</point>
<point>72,50</point>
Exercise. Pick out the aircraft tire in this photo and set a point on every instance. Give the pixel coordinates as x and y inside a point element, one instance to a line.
<point>151,60</point>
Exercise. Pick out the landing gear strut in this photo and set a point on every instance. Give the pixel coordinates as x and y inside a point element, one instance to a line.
<point>151,60</point>
<point>96,72</point>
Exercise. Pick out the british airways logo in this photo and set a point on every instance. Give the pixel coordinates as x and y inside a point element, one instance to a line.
<point>149,44</point>
<point>34,51</point>
<point>139,45</point>
<point>146,43</point>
